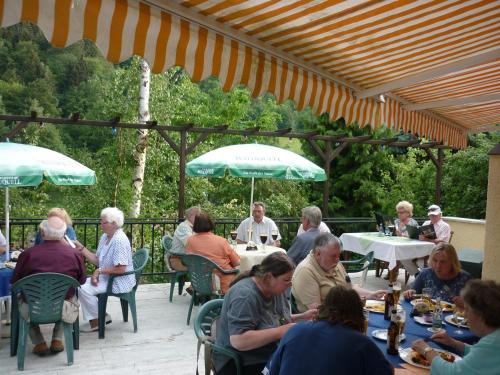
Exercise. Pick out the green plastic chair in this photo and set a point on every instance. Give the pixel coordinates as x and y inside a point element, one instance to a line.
<point>177,276</point>
<point>44,293</point>
<point>210,312</point>
<point>359,265</point>
<point>200,271</point>
<point>140,258</point>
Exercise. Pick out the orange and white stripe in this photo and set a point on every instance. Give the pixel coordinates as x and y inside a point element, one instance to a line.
<point>308,46</point>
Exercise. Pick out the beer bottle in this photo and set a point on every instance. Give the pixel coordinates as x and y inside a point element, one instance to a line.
<point>393,333</point>
<point>389,302</point>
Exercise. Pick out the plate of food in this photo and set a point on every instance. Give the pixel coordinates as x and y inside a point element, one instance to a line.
<point>377,306</point>
<point>446,306</point>
<point>414,358</point>
<point>381,334</point>
<point>458,321</point>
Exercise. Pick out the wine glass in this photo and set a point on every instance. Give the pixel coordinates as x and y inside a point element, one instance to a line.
<point>274,234</point>
<point>263,239</point>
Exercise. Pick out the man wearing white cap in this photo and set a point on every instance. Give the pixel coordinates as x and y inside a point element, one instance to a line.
<point>443,230</point>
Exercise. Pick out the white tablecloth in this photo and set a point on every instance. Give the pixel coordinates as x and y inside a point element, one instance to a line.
<point>387,248</point>
<point>248,258</point>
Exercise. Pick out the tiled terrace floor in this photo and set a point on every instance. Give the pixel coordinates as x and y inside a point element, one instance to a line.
<point>164,344</point>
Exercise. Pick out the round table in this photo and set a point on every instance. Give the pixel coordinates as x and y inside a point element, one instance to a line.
<point>249,258</point>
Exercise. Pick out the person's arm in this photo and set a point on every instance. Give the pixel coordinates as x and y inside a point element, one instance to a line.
<point>443,338</point>
<point>310,314</point>
<point>368,294</point>
<point>305,289</point>
<point>253,339</point>
<point>234,258</point>
<point>86,253</point>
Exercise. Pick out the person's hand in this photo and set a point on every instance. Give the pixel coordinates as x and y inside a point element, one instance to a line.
<point>459,302</point>
<point>378,295</point>
<point>443,338</point>
<point>419,346</point>
<point>408,294</point>
<point>421,237</point>
<point>94,279</point>
<point>310,314</point>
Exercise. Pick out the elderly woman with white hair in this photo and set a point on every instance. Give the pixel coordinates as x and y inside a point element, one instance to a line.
<point>113,257</point>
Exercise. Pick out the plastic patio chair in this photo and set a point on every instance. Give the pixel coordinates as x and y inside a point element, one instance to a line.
<point>359,265</point>
<point>140,258</point>
<point>200,270</point>
<point>44,293</point>
<point>204,322</point>
<point>177,276</point>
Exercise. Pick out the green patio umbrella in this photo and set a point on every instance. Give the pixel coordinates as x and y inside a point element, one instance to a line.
<point>255,161</point>
<point>26,165</point>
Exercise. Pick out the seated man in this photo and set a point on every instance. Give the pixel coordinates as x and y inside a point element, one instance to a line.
<point>258,224</point>
<point>304,243</point>
<point>442,229</point>
<point>320,271</point>
<point>323,228</point>
<point>53,255</point>
<point>183,231</point>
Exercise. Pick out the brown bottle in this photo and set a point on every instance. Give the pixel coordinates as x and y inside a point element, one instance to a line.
<point>393,333</point>
<point>389,302</point>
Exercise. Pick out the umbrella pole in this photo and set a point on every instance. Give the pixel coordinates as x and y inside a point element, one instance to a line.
<point>251,196</point>
<point>7,218</point>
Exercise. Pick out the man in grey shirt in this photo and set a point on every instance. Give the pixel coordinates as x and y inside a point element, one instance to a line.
<point>183,231</point>
<point>304,243</point>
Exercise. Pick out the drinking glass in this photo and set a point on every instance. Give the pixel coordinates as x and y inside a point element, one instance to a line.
<point>274,234</point>
<point>401,313</point>
<point>234,234</point>
<point>366,314</point>
<point>396,291</point>
<point>263,239</point>
<point>426,296</point>
<point>458,318</point>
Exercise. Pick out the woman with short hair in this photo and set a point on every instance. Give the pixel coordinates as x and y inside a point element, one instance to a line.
<point>333,344</point>
<point>444,277</point>
<point>482,311</point>
<point>216,248</point>
<point>113,257</point>
<point>256,314</point>
<point>63,215</point>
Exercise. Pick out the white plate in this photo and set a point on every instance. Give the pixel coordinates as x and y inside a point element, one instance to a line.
<point>447,306</point>
<point>377,307</point>
<point>421,320</point>
<point>407,354</point>
<point>449,319</point>
<point>381,334</point>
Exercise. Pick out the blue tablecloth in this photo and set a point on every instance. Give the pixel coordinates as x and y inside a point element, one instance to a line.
<point>413,331</point>
<point>5,277</point>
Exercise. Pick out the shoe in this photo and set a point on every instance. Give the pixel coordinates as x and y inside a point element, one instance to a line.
<point>189,290</point>
<point>41,349</point>
<point>56,346</point>
<point>108,319</point>
<point>88,329</point>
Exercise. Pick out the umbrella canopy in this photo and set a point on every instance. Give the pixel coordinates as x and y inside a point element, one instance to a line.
<point>26,165</point>
<point>255,160</point>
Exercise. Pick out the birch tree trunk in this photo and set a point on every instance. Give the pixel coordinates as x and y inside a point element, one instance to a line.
<point>142,141</point>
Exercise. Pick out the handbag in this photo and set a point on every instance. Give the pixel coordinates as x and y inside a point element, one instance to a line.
<point>70,310</point>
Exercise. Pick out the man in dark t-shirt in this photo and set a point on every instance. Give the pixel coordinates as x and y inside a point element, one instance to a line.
<point>53,255</point>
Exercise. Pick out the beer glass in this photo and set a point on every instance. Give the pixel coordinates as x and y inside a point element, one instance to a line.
<point>366,314</point>
<point>396,290</point>
<point>426,296</point>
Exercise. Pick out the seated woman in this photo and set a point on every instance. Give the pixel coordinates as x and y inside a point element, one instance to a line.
<point>444,277</point>
<point>62,214</point>
<point>334,343</point>
<point>113,257</point>
<point>482,310</point>
<point>204,242</point>
<point>404,210</point>
<point>256,314</point>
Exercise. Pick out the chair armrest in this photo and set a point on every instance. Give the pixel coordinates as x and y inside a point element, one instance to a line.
<point>227,352</point>
<point>347,262</point>
<point>228,272</point>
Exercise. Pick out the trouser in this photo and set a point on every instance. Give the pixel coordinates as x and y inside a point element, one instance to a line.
<point>411,265</point>
<point>230,369</point>
<point>88,298</point>
<point>34,330</point>
<point>176,263</point>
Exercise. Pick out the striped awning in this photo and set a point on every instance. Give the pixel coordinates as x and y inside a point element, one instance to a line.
<point>434,61</point>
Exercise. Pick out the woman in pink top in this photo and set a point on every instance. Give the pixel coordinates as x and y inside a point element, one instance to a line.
<point>214,247</point>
